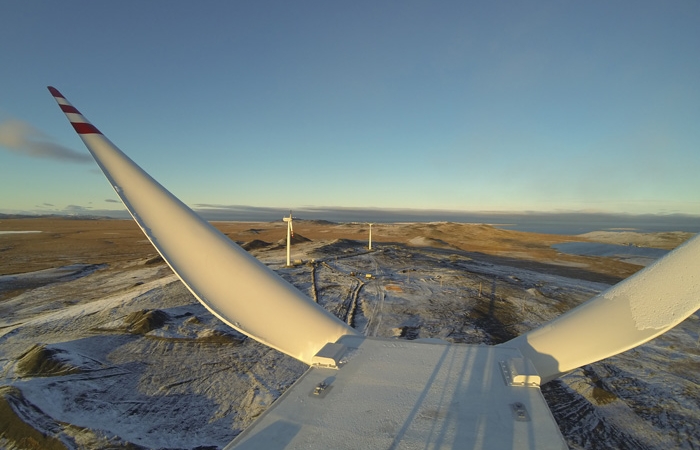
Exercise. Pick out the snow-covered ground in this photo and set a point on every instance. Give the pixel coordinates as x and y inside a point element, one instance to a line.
<point>94,356</point>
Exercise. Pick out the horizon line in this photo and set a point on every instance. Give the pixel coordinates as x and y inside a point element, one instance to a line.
<point>204,210</point>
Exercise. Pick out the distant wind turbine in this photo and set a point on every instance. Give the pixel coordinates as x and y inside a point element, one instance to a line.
<point>370,236</point>
<point>290,235</point>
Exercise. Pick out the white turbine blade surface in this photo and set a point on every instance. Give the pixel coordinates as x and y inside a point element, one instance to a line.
<point>628,314</point>
<point>226,279</point>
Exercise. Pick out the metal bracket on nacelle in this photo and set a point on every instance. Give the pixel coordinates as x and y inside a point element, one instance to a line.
<point>330,356</point>
<point>520,372</point>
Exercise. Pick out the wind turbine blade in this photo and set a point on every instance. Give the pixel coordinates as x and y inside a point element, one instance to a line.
<point>628,314</point>
<point>227,280</point>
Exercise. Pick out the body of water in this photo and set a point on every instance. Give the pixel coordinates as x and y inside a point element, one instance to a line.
<point>642,256</point>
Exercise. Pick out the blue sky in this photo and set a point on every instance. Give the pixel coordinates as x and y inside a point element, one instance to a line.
<point>468,106</point>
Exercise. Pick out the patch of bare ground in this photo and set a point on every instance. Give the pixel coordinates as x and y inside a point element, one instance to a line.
<point>63,241</point>
<point>24,426</point>
<point>15,412</point>
<point>41,361</point>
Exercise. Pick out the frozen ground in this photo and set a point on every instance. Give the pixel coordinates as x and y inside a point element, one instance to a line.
<point>122,356</point>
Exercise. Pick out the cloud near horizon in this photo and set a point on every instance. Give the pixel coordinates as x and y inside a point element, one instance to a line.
<point>22,138</point>
<point>74,209</point>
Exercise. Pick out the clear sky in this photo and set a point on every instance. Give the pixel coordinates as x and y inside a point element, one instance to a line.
<point>475,106</point>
